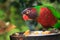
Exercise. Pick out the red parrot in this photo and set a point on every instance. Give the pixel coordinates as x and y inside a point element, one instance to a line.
<point>44,17</point>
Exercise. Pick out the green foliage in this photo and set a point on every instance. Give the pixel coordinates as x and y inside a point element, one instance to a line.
<point>2,14</point>
<point>2,1</point>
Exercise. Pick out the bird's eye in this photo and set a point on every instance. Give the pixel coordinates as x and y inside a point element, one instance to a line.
<point>28,11</point>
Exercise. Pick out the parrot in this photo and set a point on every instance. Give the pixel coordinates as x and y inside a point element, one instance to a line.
<point>47,16</point>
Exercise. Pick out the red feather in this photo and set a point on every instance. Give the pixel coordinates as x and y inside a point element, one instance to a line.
<point>46,18</point>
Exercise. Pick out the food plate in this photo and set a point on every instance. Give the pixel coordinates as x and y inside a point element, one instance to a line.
<point>39,33</point>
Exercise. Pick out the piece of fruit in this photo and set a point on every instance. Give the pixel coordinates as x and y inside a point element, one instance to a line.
<point>46,32</point>
<point>27,33</point>
<point>36,33</point>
